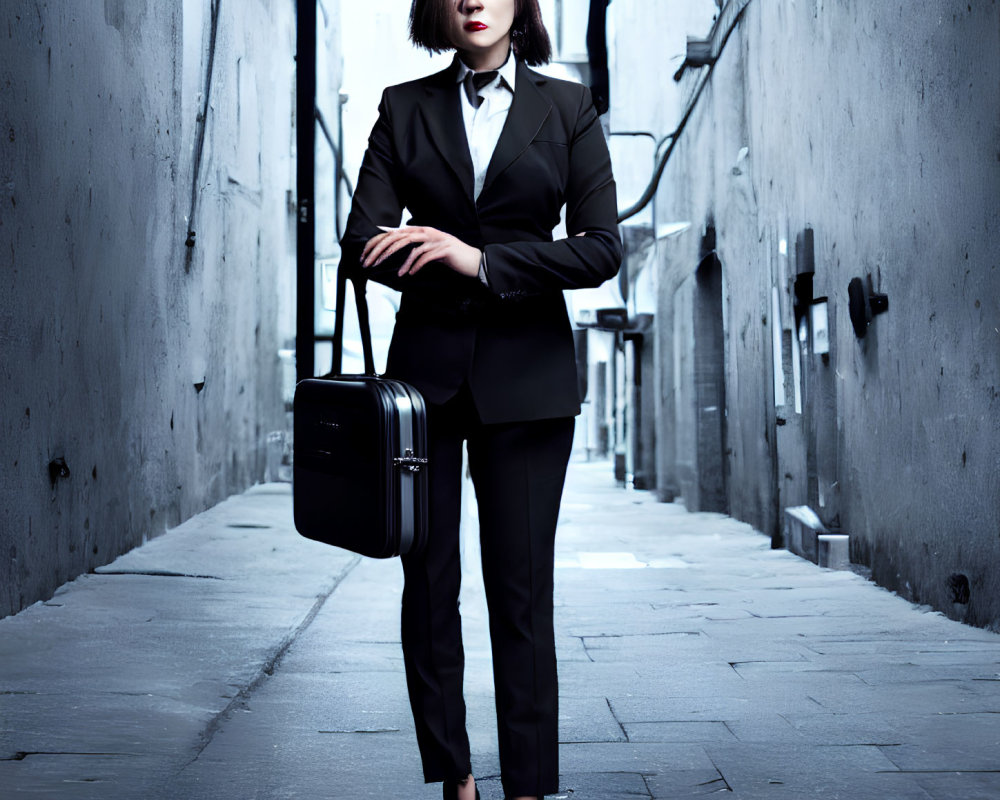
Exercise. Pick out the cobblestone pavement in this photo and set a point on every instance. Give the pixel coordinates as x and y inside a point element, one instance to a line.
<point>231,658</point>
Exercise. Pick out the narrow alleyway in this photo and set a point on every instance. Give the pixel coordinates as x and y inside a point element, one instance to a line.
<point>231,658</point>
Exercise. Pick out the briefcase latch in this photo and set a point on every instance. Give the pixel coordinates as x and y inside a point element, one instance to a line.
<point>409,461</point>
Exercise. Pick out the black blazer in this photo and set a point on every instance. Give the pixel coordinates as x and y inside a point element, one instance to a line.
<point>512,341</point>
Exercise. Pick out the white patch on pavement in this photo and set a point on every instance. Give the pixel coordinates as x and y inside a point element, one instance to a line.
<point>668,563</point>
<point>616,560</point>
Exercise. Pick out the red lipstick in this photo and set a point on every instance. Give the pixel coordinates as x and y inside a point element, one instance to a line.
<point>474,26</point>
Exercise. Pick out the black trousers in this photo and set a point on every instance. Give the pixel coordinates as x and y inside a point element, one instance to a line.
<point>518,470</point>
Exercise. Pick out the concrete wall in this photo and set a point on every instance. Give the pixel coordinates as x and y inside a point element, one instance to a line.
<point>874,126</point>
<point>646,44</point>
<point>149,366</point>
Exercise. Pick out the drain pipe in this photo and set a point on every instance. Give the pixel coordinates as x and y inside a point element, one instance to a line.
<point>597,55</point>
<point>202,120</point>
<point>700,53</point>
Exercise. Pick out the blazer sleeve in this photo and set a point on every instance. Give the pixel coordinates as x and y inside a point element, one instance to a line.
<point>378,201</point>
<point>591,209</point>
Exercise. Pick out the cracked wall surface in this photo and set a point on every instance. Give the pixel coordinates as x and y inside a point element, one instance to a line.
<point>140,347</point>
<point>862,138</point>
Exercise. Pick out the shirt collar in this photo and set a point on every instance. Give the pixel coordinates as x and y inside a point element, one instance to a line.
<point>507,72</point>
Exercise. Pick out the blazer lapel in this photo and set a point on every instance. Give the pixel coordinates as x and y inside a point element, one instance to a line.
<point>528,111</point>
<point>442,115</point>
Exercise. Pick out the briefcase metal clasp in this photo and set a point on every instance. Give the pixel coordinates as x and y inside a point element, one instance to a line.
<point>409,461</point>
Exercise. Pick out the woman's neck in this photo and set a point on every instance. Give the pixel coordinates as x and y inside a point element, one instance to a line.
<point>482,60</point>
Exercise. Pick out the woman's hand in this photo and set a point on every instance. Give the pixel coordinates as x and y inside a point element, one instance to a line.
<point>431,245</point>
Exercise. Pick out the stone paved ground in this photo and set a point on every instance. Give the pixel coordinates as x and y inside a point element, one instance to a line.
<point>233,659</point>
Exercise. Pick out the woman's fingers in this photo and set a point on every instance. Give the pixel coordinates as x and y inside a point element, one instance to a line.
<point>393,241</point>
<point>421,254</point>
<point>378,248</point>
<point>414,254</point>
<point>370,244</point>
<point>431,245</point>
<point>392,247</point>
<point>432,251</point>
<point>378,251</point>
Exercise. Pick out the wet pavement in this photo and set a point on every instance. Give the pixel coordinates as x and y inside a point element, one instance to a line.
<point>231,658</point>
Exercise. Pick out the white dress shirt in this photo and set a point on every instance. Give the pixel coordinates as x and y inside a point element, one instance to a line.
<point>483,124</point>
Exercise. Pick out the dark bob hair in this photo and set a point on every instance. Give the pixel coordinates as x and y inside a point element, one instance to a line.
<point>429,29</point>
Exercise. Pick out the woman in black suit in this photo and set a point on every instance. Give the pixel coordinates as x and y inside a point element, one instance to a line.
<point>483,156</point>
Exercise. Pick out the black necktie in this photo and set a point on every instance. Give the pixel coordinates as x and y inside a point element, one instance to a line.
<point>474,82</point>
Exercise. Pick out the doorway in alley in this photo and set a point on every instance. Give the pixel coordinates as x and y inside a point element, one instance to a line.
<point>710,381</point>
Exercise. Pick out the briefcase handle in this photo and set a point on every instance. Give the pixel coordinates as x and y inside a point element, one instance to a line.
<point>359,281</point>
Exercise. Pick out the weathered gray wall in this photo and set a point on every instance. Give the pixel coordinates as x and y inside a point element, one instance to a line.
<point>704,185</point>
<point>150,367</point>
<point>646,46</point>
<point>877,125</point>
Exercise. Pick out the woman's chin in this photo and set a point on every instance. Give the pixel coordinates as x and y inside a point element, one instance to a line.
<point>479,42</point>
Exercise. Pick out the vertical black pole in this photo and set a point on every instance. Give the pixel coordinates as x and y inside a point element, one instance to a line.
<point>597,53</point>
<point>338,156</point>
<point>305,146</point>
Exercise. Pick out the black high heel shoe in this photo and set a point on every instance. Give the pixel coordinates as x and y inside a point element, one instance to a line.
<point>449,790</point>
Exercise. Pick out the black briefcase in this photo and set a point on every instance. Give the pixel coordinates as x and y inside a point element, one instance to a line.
<point>360,454</point>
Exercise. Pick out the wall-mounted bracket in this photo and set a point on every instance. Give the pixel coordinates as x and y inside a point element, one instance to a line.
<point>864,303</point>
